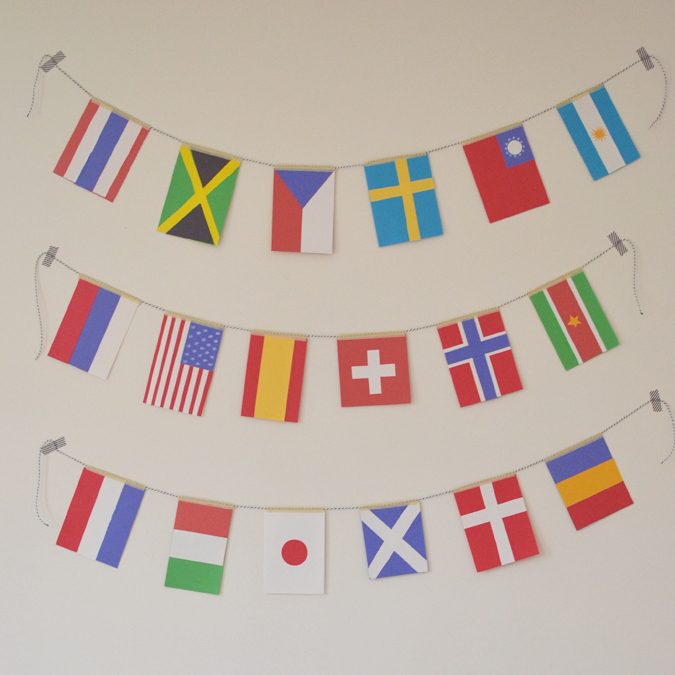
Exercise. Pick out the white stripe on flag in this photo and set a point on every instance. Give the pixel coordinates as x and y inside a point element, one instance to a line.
<point>606,147</point>
<point>316,234</point>
<point>561,323</point>
<point>100,517</point>
<point>112,339</point>
<point>117,157</point>
<point>198,547</point>
<point>489,358</point>
<point>587,316</point>
<point>200,390</point>
<point>163,371</point>
<point>87,144</point>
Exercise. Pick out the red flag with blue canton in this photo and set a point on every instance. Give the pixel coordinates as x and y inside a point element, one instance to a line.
<point>480,359</point>
<point>506,173</point>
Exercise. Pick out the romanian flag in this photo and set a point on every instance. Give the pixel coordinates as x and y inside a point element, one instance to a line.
<point>574,320</point>
<point>589,482</point>
<point>273,382</point>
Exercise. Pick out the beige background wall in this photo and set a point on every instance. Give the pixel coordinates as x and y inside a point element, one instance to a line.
<point>319,82</point>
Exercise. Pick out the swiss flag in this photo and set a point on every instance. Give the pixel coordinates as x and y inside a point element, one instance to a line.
<point>373,370</point>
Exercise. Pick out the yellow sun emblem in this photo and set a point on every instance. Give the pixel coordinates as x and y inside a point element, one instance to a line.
<point>574,321</point>
<point>599,134</point>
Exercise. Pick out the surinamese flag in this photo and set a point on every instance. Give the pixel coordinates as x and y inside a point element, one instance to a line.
<point>182,365</point>
<point>574,320</point>
<point>199,195</point>
<point>302,210</point>
<point>274,372</point>
<point>101,150</point>
<point>496,523</point>
<point>506,173</point>
<point>479,355</point>
<point>100,516</point>
<point>403,200</point>
<point>295,552</point>
<point>589,482</point>
<point>598,132</point>
<point>394,540</point>
<point>93,328</point>
<point>198,544</point>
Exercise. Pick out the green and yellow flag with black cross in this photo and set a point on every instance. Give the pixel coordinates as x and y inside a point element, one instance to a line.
<point>199,195</point>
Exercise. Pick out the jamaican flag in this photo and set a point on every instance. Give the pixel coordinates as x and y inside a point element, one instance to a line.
<point>199,195</point>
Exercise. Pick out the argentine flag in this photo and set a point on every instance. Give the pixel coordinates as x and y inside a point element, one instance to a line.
<point>598,132</point>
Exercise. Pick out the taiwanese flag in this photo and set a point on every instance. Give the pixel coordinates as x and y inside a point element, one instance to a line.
<point>506,174</point>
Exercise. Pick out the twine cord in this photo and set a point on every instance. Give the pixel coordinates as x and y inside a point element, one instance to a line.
<point>353,165</point>
<point>352,507</point>
<point>38,488</point>
<point>672,424</point>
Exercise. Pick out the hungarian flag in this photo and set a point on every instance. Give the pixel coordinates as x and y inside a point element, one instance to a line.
<point>199,195</point>
<point>198,546</point>
<point>274,373</point>
<point>574,320</point>
<point>294,552</point>
<point>589,482</point>
<point>373,370</point>
<point>506,173</point>
<point>496,524</point>
<point>302,210</point>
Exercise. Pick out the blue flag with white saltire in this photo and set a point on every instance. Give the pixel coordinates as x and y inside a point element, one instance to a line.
<point>598,132</point>
<point>394,540</point>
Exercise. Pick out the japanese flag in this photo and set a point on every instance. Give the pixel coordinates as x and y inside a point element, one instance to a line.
<point>294,551</point>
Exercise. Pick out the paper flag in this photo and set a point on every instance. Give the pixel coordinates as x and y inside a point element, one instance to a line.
<point>294,552</point>
<point>480,358</point>
<point>198,546</point>
<point>93,328</point>
<point>394,540</point>
<point>496,523</point>
<point>199,195</point>
<point>574,320</point>
<point>182,365</point>
<point>506,174</point>
<point>101,150</point>
<point>302,210</point>
<point>598,132</point>
<point>373,370</point>
<point>100,517</point>
<point>589,482</point>
<point>403,199</point>
<point>274,372</point>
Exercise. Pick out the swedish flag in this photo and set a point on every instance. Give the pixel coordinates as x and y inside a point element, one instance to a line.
<point>403,198</point>
<point>199,195</point>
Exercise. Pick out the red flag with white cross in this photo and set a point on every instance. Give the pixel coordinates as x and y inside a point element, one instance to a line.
<point>373,370</point>
<point>496,524</point>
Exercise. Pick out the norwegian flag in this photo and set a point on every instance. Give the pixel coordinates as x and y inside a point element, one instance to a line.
<point>496,523</point>
<point>479,355</point>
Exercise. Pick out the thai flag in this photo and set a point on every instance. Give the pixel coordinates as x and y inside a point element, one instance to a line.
<point>100,517</point>
<point>101,150</point>
<point>93,328</point>
<point>598,132</point>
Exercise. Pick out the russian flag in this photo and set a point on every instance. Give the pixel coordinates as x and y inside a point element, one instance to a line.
<point>100,517</point>
<point>598,132</point>
<point>93,328</point>
<point>101,150</point>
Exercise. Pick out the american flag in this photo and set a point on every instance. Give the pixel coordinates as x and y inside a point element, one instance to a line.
<point>182,366</point>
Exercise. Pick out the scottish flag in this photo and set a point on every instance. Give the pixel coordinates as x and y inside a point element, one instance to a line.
<point>394,540</point>
<point>598,132</point>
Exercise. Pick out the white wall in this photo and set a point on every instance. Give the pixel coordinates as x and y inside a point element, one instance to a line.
<point>309,82</point>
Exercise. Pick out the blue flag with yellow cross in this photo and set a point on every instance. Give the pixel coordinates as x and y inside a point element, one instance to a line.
<point>403,198</point>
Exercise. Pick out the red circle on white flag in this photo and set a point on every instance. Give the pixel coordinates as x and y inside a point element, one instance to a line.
<point>294,552</point>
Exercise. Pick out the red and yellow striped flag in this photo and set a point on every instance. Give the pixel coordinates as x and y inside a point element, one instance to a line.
<point>273,382</point>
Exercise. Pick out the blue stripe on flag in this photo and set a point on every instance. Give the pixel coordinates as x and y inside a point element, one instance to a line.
<point>615,125</point>
<point>582,140</point>
<point>94,328</point>
<point>583,458</point>
<point>120,526</point>
<point>97,160</point>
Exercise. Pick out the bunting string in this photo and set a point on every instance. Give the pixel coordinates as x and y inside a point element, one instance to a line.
<point>56,446</point>
<point>348,165</point>
<point>41,258</point>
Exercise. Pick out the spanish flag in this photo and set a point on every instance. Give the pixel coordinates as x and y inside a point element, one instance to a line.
<point>273,382</point>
